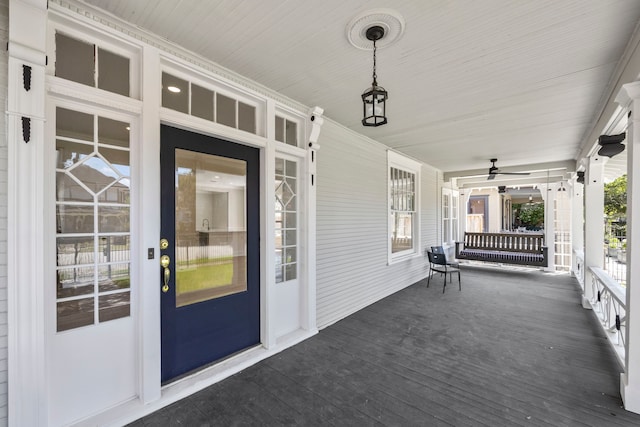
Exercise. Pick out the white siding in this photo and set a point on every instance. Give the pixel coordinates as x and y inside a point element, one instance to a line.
<point>352,234</point>
<point>4,35</point>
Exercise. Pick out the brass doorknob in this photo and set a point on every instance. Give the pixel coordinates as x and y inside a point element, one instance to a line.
<point>164,263</point>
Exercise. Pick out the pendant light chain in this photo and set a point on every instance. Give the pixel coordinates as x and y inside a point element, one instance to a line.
<point>375,83</point>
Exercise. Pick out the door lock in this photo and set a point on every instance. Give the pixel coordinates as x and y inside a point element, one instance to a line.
<point>164,263</point>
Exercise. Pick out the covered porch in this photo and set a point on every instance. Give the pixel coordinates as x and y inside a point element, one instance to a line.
<point>513,348</point>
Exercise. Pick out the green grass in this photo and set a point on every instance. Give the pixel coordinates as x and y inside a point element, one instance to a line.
<point>197,261</point>
<point>204,277</point>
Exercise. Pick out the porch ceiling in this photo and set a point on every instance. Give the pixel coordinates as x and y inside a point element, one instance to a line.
<point>468,81</point>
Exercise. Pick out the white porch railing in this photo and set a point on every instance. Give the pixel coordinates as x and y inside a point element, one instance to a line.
<point>578,266</point>
<point>609,305</point>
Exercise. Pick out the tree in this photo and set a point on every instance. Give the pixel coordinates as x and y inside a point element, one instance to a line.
<point>530,215</point>
<point>615,198</point>
<point>615,207</point>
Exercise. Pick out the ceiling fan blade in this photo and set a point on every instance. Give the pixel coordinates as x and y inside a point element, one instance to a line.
<point>513,173</point>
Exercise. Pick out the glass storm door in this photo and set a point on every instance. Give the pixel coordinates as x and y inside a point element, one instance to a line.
<point>209,264</point>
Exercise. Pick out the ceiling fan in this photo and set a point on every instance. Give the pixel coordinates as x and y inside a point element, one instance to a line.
<point>493,171</point>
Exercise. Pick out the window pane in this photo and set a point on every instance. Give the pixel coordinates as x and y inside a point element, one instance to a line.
<point>94,173</point>
<point>74,219</point>
<point>74,124</point>
<point>69,190</point>
<point>117,193</point>
<point>290,237</point>
<point>290,255</point>
<point>209,263</point>
<point>70,153</point>
<point>291,169</point>
<point>291,271</point>
<point>74,281</point>
<point>201,102</point>
<point>226,108</point>
<point>113,72</point>
<point>175,93</point>
<point>246,117</point>
<point>113,248</point>
<point>114,306</point>
<point>113,132</point>
<point>113,277</point>
<point>401,238</point>
<point>279,166</point>
<point>74,250</point>
<point>74,60</point>
<point>291,133</point>
<point>291,219</point>
<point>119,160</point>
<point>74,314</point>
<point>113,219</point>
<point>280,130</point>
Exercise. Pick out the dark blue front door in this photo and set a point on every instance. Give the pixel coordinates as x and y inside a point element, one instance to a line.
<point>210,274</point>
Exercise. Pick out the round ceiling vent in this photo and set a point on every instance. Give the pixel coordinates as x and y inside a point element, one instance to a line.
<point>390,20</point>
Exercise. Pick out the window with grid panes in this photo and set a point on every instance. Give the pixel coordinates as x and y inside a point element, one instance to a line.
<point>286,131</point>
<point>93,250</point>
<point>189,98</point>
<point>91,65</point>
<point>286,219</point>
<point>402,185</point>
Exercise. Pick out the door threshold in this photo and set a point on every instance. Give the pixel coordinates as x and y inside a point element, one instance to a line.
<point>132,410</point>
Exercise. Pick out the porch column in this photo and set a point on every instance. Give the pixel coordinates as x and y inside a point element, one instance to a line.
<point>629,97</point>
<point>465,194</point>
<point>548,197</point>
<point>594,222</point>
<point>577,231</point>
<point>27,386</point>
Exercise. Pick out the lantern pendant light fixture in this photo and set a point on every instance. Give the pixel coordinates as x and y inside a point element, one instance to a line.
<point>374,99</point>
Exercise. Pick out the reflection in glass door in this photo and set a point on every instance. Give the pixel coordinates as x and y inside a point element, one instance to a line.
<point>210,240</point>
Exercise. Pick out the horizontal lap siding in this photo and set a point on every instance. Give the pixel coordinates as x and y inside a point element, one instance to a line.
<point>352,212</point>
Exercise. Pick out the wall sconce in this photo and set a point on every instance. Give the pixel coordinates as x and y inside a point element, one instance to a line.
<point>580,178</point>
<point>374,99</point>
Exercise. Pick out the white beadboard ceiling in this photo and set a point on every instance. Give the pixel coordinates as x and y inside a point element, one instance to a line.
<point>469,80</point>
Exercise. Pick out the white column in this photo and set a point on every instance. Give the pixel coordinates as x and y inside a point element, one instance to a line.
<point>629,97</point>
<point>548,196</point>
<point>25,132</point>
<point>149,225</point>
<point>594,222</point>
<point>315,121</point>
<point>577,229</point>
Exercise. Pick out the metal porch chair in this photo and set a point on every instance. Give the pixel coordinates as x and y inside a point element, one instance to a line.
<point>438,263</point>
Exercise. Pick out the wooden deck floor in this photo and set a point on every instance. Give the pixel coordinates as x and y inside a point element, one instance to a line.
<point>513,348</point>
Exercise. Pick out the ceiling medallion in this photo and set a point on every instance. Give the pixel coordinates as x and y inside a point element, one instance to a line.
<point>391,22</point>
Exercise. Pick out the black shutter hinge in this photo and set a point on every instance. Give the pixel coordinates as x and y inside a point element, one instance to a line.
<point>26,77</point>
<point>26,129</point>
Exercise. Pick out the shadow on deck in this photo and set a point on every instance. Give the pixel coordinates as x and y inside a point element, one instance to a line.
<point>513,348</point>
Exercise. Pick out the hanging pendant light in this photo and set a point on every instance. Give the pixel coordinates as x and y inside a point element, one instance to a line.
<point>374,99</point>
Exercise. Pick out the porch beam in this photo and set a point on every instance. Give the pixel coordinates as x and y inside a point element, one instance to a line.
<point>563,165</point>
